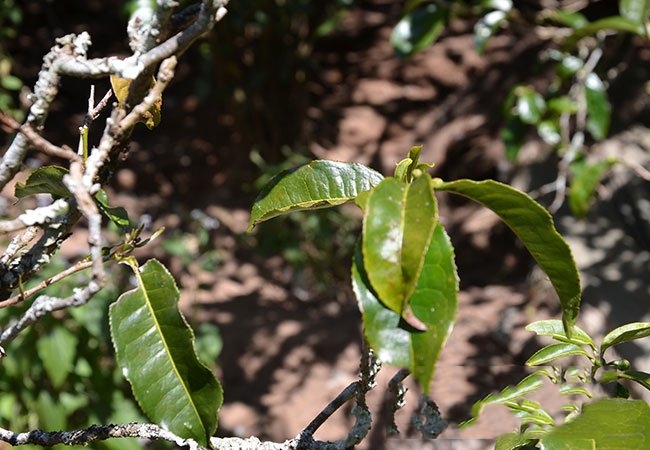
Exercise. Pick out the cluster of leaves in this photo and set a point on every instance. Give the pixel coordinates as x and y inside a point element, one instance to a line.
<point>574,106</point>
<point>151,339</point>
<point>71,379</point>
<point>403,272</point>
<point>405,281</point>
<point>605,423</point>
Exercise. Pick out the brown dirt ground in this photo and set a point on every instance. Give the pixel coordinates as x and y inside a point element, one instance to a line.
<point>288,349</point>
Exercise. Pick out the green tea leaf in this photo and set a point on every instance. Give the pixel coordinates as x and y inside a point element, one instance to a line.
<point>643,378</point>
<point>555,351</point>
<point>58,350</point>
<point>434,301</point>
<point>397,227</point>
<point>555,329</point>
<point>534,226</point>
<point>155,348</point>
<point>44,180</point>
<point>626,333</point>
<point>418,29</point>
<point>599,110</point>
<point>117,215</point>
<point>319,184</point>
<point>604,424</point>
<point>510,394</point>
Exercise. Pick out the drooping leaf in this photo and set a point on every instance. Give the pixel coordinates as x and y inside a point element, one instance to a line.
<point>635,10</point>
<point>418,29</point>
<point>625,333</point>
<point>155,349</point>
<point>397,227</point>
<point>585,178</point>
<point>599,109</point>
<point>117,215</point>
<point>58,350</point>
<point>604,424</point>
<point>44,180</point>
<point>555,351</point>
<point>554,328</point>
<point>434,301</point>
<point>526,386</point>
<point>534,226</point>
<point>319,184</point>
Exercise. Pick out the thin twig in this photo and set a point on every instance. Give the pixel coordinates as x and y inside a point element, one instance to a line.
<point>79,266</point>
<point>36,140</point>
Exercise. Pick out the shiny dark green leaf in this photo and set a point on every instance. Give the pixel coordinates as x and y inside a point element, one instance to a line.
<point>553,352</point>
<point>534,226</point>
<point>418,29</point>
<point>117,215</point>
<point>319,184</point>
<point>155,349</point>
<point>44,180</point>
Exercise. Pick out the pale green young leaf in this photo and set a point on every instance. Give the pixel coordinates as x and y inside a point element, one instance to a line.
<point>625,333</point>
<point>526,386</point>
<point>555,351</point>
<point>555,329</point>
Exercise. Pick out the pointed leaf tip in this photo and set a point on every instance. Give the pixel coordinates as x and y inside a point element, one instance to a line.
<point>534,226</point>
<point>319,184</point>
<point>155,348</point>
